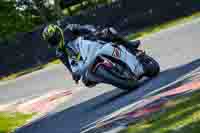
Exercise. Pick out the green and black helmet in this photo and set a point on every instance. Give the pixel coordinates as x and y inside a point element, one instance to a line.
<point>53,34</point>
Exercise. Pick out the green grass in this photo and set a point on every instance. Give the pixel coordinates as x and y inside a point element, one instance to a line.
<point>10,121</point>
<point>158,27</point>
<point>181,115</point>
<point>76,9</point>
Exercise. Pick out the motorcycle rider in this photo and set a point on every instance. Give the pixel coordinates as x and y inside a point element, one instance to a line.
<point>71,50</point>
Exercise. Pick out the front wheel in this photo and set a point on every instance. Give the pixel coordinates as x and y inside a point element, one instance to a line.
<point>109,78</point>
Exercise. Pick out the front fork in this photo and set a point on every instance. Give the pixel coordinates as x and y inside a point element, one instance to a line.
<point>90,76</point>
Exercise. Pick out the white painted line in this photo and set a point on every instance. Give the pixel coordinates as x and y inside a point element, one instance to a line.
<point>134,105</point>
<point>117,129</point>
<point>172,83</point>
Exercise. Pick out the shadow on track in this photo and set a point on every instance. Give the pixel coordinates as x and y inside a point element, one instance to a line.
<point>168,76</point>
<point>164,78</point>
<point>73,119</point>
<point>116,94</point>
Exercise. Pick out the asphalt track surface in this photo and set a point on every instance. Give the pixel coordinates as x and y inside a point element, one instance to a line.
<point>177,50</point>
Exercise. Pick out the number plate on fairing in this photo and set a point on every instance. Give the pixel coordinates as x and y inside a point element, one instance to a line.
<point>116,52</point>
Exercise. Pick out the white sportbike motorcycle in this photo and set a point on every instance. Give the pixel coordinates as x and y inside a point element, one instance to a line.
<point>113,69</point>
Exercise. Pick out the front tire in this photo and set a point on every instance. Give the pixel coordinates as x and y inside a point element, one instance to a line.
<point>109,78</point>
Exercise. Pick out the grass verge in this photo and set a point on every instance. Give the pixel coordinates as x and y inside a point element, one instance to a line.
<point>142,33</point>
<point>77,8</point>
<point>10,121</point>
<point>181,115</point>
<point>158,27</point>
<point>29,70</point>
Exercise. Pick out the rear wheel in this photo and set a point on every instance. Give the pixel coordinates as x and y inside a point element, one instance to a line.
<point>151,66</point>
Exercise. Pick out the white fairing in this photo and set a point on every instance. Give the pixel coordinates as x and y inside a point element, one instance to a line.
<point>89,50</point>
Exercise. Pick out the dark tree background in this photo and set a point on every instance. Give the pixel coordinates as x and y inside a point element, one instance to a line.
<point>23,21</point>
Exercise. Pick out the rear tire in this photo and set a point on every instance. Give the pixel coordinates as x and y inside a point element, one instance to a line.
<point>151,66</point>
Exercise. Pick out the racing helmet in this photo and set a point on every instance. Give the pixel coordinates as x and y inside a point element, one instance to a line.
<point>53,34</point>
